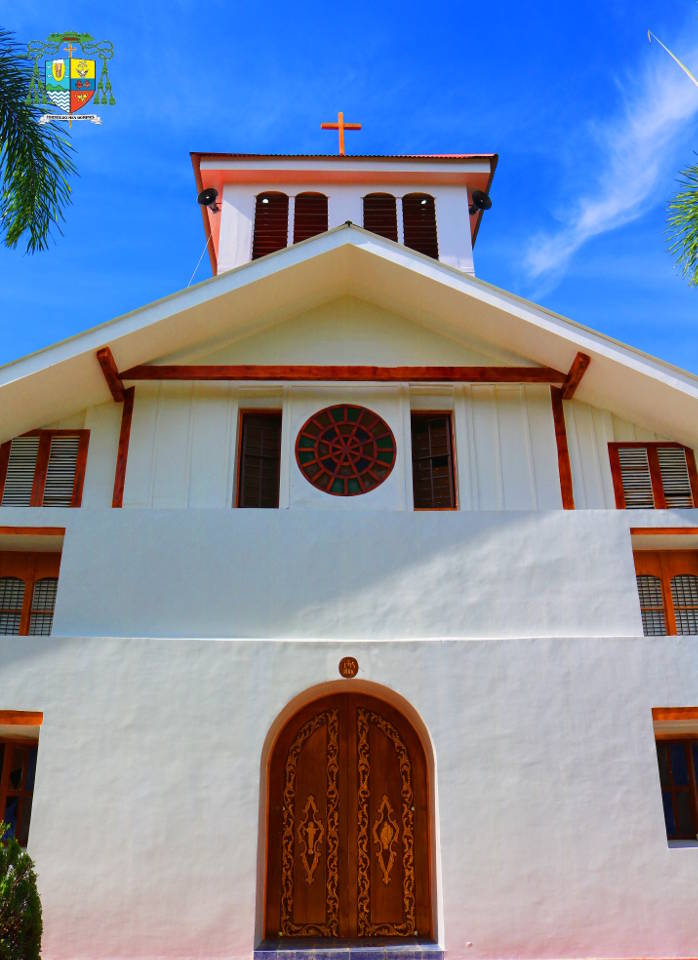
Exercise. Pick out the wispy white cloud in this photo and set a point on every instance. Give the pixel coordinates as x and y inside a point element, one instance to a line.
<point>625,162</point>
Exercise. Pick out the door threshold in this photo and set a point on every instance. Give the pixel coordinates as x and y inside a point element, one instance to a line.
<point>348,951</point>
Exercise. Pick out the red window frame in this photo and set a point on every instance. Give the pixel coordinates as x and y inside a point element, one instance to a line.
<point>655,473</point>
<point>42,457</point>
<point>665,565</point>
<point>669,785</point>
<point>29,567</point>
<point>11,746</point>
<point>255,412</point>
<point>433,415</point>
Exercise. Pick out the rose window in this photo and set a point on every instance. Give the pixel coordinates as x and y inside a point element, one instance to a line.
<point>345,450</point>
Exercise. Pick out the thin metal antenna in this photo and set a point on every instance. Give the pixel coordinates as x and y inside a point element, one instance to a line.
<point>198,263</point>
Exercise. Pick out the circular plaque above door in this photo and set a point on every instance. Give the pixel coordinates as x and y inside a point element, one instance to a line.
<point>345,450</point>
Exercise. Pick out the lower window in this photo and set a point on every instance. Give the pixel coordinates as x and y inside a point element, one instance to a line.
<point>17,772</point>
<point>28,585</point>
<point>433,476</point>
<point>678,763</point>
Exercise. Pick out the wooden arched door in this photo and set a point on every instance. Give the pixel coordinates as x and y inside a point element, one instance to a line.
<point>348,831</point>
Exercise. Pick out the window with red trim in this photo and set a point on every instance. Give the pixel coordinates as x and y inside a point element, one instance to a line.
<point>678,776</point>
<point>17,772</point>
<point>45,468</point>
<point>380,215</point>
<point>270,224</point>
<point>433,475</point>
<point>419,223</point>
<point>667,585</point>
<point>259,458</point>
<point>28,586</point>
<point>310,216</point>
<point>650,476</point>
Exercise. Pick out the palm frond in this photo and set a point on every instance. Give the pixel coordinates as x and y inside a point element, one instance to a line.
<point>35,161</point>
<point>682,224</point>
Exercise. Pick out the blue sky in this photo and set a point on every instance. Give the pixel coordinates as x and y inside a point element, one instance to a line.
<point>591,122</point>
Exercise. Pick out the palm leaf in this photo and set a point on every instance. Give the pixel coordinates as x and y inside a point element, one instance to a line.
<point>683,224</point>
<point>35,161</point>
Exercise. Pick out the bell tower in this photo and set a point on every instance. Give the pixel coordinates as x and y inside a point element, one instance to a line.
<point>253,205</point>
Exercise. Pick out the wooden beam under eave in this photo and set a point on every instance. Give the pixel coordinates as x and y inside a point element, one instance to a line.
<point>367,374</point>
<point>576,372</point>
<point>563,453</point>
<point>122,453</point>
<point>111,373</point>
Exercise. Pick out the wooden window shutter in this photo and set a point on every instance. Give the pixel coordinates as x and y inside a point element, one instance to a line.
<point>647,475</point>
<point>649,589</point>
<point>20,470</point>
<point>380,215</point>
<point>433,479</point>
<point>270,224</point>
<point>635,478</point>
<point>676,482</point>
<point>310,216</point>
<point>419,224</point>
<point>259,461</point>
<point>44,469</point>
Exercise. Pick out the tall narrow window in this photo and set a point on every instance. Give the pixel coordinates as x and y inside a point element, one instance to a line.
<point>433,477</point>
<point>259,461</point>
<point>653,475</point>
<point>678,766</point>
<point>380,215</point>
<point>419,223</point>
<point>17,773</point>
<point>667,583</point>
<point>310,216</point>
<point>28,586</point>
<point>44,469</point>
<point>270,224</point>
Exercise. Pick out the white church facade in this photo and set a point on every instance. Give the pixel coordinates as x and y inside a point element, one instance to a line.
<point>348,603</point>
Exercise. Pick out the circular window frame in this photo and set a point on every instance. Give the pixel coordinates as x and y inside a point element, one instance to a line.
<point>379,450</point>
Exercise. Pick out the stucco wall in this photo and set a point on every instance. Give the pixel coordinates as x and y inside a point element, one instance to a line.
<point>336,573</point>
<point>551,834</point>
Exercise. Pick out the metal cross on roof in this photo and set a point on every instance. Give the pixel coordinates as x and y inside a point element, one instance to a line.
<point>341,126</point>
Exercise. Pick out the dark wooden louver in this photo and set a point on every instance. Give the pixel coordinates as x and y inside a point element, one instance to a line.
<point>270,224</point>
<point>432,462</point>
<point>310,216</point>
<point>380,215</point>
<point>419,224</point>
<point>260,456</point>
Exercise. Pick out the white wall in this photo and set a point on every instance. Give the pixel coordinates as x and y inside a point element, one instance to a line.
<point>335,573</point>
<point>552,841</point>
<point>345,203</point>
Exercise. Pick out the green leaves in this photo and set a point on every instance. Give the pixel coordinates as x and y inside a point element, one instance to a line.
<point>35,160</point>
<point>683,225</point>
<point>20,907</point>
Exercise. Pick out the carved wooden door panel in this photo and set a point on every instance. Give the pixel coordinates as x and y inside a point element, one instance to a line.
<point>348,851</point>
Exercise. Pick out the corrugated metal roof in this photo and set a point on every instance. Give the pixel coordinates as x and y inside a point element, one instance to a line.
<point>349,156</point>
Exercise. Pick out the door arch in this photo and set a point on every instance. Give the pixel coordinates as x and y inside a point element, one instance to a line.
<point>348,824</point>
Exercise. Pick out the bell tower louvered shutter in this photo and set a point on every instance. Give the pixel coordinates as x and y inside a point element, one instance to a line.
<point>270,224</point>
<point>419,224</point>
<point>310,216</point>
<point>19,474</point>
<point>60,471</point>
<point>380,215</point>
<point>676,482</point>
<point>260,457</point>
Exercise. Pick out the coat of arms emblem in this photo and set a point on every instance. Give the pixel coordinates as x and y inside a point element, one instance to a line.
<point>70,83</point>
